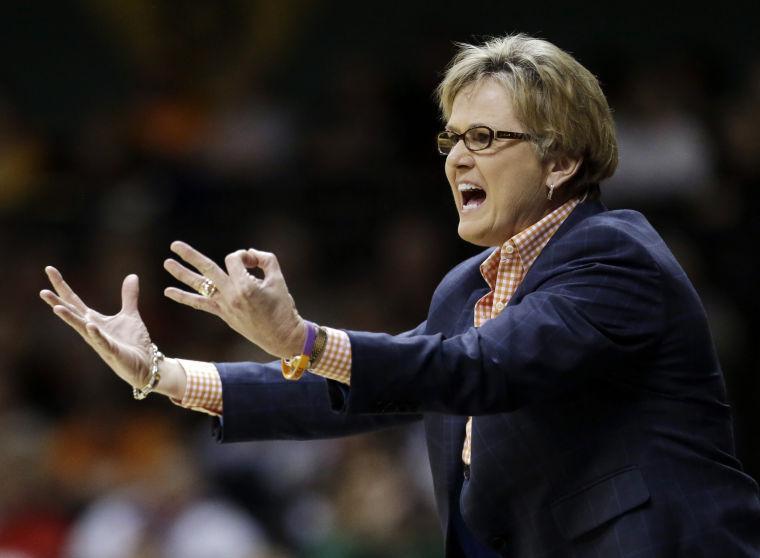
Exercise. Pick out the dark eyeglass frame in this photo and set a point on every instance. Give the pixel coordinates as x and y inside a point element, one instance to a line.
<point>448,135</point>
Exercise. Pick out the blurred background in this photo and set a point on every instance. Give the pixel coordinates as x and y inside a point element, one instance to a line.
<point>304,128</point>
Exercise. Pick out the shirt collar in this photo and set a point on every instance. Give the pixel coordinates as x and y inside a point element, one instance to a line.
<point>532,240</point>
<point>528,243</point>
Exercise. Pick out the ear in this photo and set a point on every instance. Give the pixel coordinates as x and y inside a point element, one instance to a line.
<point>561,169</point>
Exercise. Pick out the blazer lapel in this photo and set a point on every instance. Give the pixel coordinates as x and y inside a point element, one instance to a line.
<point>582,211</point>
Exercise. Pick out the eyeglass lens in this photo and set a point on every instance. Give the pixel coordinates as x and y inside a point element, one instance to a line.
<point>475,139</point>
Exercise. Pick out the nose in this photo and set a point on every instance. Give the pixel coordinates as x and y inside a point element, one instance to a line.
<point>460,156</point>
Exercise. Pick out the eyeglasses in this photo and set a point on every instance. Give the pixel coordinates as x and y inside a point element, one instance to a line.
<point>477,138</point>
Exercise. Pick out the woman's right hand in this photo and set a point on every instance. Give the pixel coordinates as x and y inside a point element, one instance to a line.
<point>121,340</point>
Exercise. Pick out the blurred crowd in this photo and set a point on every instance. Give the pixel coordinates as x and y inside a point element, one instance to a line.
<point>255,125</point>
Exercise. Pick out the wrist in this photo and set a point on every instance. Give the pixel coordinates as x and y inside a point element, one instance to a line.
<point>311,336</point>
<point>140,392</point>
<point>297,340</point>
<point>173,379</point>
<point>297,363</point>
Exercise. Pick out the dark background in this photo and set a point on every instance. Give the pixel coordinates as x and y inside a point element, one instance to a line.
<point>304,128</point>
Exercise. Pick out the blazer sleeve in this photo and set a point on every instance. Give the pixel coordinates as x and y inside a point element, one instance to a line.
<point>598,304</point>
<point>259,404</point>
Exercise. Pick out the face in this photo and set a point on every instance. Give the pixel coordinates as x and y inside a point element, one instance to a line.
<point>501,190</point>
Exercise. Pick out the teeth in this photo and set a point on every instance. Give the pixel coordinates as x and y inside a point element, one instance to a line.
<point>466,187</point>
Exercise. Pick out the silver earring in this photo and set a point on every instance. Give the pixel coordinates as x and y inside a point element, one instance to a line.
<point>551,191</point>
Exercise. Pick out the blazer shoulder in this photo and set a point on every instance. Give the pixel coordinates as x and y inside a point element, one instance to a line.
<point>613,230</point>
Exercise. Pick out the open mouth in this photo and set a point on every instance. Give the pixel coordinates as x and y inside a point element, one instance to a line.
<point>472,196</point>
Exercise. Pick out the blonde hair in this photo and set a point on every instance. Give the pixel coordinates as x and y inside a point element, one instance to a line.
<point>555,97</point>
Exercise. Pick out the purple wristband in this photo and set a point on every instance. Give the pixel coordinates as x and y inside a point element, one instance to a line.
<point>311,336</point>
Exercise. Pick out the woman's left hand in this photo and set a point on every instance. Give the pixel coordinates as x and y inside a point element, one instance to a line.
<point>261,310</point>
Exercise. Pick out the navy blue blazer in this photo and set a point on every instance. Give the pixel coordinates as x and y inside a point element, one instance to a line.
<point>600,428</point>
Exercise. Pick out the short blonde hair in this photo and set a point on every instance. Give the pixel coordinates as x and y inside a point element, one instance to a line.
<point>555,97</point>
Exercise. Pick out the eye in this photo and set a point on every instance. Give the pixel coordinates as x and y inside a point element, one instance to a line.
<point>479,137</point>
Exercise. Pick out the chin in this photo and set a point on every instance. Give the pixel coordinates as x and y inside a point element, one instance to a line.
<point>470,234</point>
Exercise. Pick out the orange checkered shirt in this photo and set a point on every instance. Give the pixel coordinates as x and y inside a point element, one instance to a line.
<point>503,270</point>
<point>204,386</point>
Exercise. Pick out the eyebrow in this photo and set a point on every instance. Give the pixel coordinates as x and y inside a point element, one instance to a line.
<point>473,125</point>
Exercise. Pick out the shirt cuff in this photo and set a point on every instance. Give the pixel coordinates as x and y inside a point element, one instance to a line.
<point>204,387</point>
<point>335,361</point>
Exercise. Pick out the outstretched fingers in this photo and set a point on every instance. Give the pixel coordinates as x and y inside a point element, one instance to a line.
<point>75,320</point>
<point>198,302</point>
<point>63,289</point>
<point>205,265</point>
<point>184,275</point>
<point>54,300</point>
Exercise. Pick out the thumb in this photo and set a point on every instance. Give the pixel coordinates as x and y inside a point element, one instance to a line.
<point>130,291</point>
<point>265,260</point>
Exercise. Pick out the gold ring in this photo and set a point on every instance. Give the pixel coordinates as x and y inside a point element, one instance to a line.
<point>208,288</point>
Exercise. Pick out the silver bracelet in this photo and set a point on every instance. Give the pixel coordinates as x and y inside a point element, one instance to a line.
<point>156,356</point>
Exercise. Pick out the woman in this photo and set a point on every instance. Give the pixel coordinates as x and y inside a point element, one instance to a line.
<point>572,398</point>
